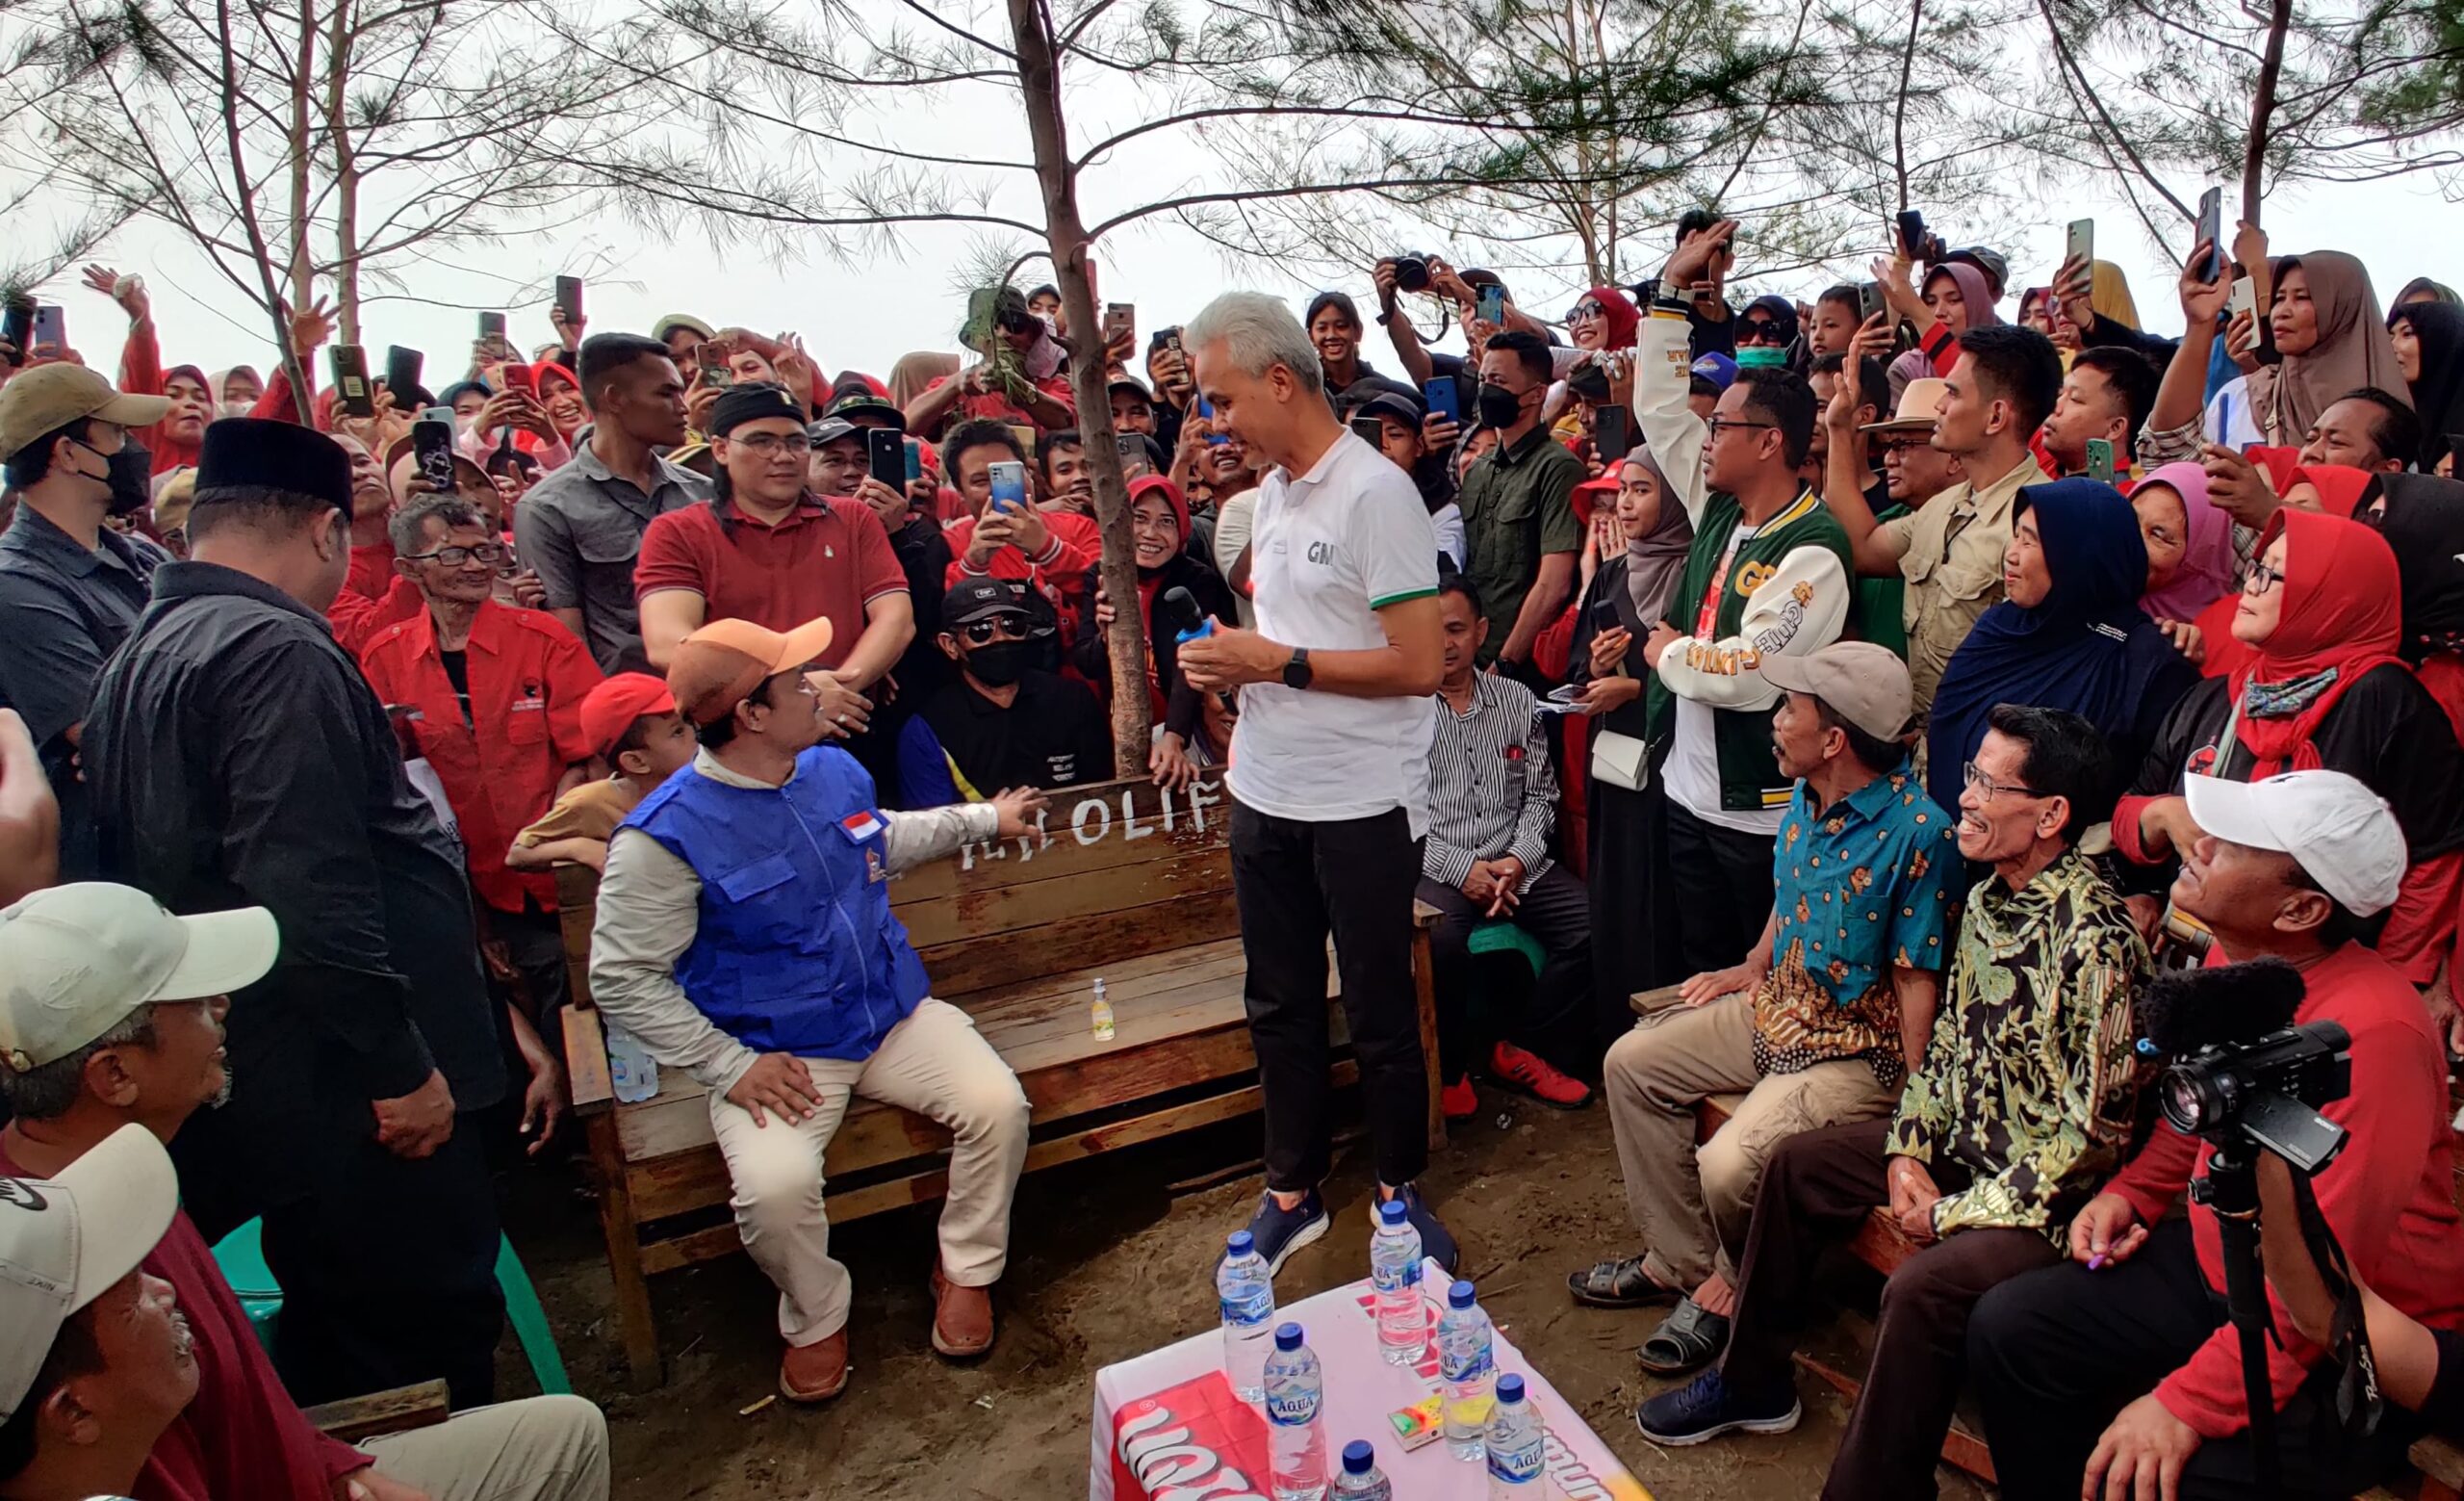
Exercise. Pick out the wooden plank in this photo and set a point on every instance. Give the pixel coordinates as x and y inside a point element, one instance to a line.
<point>1021,908</point>
<point>1085,944</point>
<point>576,914</point>
<point>420,1405</point>
<point>1962,1450</point>
<point>586,1059</point>
<point>1089,834</point>
<point>678,1185</point>
<point>2439,1462</point>
<point>620,1226</point>
<point>1645,1003</point>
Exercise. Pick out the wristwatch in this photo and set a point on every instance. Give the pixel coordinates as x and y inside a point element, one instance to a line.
<point>1296,672</point>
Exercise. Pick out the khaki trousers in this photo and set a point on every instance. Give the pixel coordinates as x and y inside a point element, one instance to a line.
<point>934,1063</point>
<point>538,1449</point>
<point>1693,1204</point>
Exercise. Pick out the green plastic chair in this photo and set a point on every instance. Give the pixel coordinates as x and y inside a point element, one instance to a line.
<point>241,1255</point>
<point>1498,936</point>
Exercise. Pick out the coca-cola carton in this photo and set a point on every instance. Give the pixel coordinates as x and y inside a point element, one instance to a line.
<point>1192,1440</point>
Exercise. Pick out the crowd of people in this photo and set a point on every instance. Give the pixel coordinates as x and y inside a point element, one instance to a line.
<point>1891,686</point>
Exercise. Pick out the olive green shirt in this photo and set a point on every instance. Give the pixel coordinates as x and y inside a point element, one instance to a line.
<point>1518,507</point>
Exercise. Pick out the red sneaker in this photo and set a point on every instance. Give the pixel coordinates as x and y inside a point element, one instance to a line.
<point>1458,1099</point>
<point>1527,1074</point>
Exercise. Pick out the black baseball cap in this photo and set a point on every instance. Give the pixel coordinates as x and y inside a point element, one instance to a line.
<point>1395,404</point>
<point>829,430</point>
<point>982,599</point>
<point>853,401</point>
<point>752,402</point>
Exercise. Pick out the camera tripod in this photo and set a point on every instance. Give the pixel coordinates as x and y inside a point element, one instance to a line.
<point>2230,1187</point>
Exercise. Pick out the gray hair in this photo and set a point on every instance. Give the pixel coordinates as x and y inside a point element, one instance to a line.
<point>409,529</point>
<point>1257,332</point>
<point>46,1092</point>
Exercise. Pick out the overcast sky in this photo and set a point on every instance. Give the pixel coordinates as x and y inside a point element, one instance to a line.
<point>888,303</point>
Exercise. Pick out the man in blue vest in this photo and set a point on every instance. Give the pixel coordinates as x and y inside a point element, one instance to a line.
<point>744,935</point>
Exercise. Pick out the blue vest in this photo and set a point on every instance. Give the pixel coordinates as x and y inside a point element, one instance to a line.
<point>797,951</point>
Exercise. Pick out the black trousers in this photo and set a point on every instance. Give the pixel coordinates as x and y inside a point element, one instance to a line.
<point>1296,882</point>
<point>1817,1189</point>
<point>1558,912</point>
<point>387,1266</point>
<point>2057,1354</point>
<point>1719,894</point>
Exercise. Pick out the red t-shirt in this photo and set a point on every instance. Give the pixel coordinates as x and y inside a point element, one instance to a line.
<point>829,557</point>
<point>243,1437</point>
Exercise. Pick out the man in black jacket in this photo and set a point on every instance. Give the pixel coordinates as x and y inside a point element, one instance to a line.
<point>239,758</point>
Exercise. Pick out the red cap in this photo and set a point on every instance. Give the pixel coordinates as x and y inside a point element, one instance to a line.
<point>609,710</point>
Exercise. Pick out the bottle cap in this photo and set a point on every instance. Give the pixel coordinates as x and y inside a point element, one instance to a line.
<point>1359,1458</point>
<point>1459,1296</point>
<point>1510,1389</point>
<point>1392,1212</point>
<point>1239,1243</point>
<point>1287,1337</point>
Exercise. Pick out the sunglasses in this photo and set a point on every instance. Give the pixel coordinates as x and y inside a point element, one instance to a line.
<point>1007,628</point>
<point>1760,332</point>
<point>1585,312</point>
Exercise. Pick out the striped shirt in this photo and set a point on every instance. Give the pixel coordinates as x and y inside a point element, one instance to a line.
<point>1491,789</point>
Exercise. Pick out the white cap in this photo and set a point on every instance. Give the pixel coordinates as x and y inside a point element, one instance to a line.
<point>64,1240</point>
<point>75,960</point>
<point>2335,828</point>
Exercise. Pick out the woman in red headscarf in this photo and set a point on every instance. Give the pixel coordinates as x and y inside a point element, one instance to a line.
<point>2321,686</point>
<point>2335,489</point>
<point>1159,519</point>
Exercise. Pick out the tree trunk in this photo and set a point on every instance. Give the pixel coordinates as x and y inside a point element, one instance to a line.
<point>2254,151</point>
<point>302,392</point>
<point>1125,646</point>
<point>345,170</point>
<point>299,266</point>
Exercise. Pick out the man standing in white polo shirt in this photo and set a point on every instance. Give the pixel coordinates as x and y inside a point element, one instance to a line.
<point>1328,773</point>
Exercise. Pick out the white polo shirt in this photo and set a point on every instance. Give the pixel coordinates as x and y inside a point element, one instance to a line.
<point>1326,551</point>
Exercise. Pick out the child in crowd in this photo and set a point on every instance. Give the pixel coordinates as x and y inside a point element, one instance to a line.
<point>631,723</point>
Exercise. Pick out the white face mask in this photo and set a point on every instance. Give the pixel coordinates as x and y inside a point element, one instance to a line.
<point>238,408</point>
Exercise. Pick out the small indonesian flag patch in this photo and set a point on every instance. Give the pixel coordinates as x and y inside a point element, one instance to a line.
<point>861,825</point>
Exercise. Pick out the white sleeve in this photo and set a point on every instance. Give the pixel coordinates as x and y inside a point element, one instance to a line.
<point>1799,609</point>
<point>1663,380</point>
<point>649,911</point>
<point>1232,523</point>
<point>1394,544</point>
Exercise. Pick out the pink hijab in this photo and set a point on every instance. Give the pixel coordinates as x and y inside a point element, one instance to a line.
<point>2207,564</point>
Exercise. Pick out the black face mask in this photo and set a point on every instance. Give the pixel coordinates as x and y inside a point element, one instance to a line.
<point>131,475</point>
<point>998,663</point>
<point>1499,407</point>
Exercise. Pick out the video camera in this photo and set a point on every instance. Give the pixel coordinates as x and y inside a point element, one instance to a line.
<point>2240,1068</point>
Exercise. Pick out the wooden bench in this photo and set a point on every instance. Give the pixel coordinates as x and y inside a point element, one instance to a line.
<point>1135,886</point>
<point>1881,1244</point>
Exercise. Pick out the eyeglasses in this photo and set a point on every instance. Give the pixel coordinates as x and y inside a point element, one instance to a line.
<point>1976,777</point>
<point>1903,443</point>
<point>488,553</point>
<point>1720,425</point>
<point>767,443</point>
<point>1008,628</point>
<point>1759,331</point>
<point>2262,579</point>
<point>1583,312</point>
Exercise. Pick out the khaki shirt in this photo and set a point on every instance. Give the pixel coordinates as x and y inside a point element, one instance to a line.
<point>1951,554</point>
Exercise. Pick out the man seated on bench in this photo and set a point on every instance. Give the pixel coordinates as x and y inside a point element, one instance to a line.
<point>111,1022</point>
<point>1818,1021</point>
<point>2021,1104</point>
<point>2290,868</point>
<point>1493,801</point>
<point>1005,722</point>
<point>744,935</point>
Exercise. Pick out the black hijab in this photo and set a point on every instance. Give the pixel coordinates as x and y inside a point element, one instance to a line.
<point>2438,396</point>
<point>2423,518</point>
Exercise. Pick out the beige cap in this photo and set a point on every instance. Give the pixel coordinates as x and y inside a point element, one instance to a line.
<point>1865,684</point>
<point>79,958</point>
<point>719,665</point>
<point>50,396</point>
<point>1918,406</point>
<point>65,1240</point>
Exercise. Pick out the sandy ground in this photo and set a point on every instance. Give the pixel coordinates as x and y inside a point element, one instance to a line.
<point>1110,1261</point>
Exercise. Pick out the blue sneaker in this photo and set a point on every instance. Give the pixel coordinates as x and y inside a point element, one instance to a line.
<point>1278,1232</point>
<point>1706,1407</point>
<point>1436,1241</point>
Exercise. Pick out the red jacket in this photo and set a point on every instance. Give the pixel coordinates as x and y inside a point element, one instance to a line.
<point>2389,1197</point>
<point>528,675</point>
<point>1060,572</point>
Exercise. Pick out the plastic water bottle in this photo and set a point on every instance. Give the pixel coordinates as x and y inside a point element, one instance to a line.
<point>1360,1479</point>
<point>1102,1013</point>
<point>632,1071</point>
<point>1467,1370</point>
<point>1245,1289</point>
<point>1295,1393</point>
<point>1395,1272</point>
<point>1517,1445</point>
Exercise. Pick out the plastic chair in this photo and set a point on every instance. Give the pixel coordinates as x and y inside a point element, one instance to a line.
<point>1500,936</point>
<point>241,1255</point>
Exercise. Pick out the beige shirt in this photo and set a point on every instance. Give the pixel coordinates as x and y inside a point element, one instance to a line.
<point>1951,553</point>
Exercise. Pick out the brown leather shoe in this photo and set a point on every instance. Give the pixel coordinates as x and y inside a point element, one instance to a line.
<point>815,1372</point>
<point>961,1318</point>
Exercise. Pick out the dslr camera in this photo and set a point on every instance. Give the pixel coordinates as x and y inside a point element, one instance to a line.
<point>1411,270</point>
<point>2241,1069</point>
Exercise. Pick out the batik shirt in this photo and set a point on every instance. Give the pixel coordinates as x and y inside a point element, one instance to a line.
<point>2028,1081</point>
<point>1861,886</point>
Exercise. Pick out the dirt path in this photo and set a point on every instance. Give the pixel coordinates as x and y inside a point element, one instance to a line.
<point>1108,1263</point>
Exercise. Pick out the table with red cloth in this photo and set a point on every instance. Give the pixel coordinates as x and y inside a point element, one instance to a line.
<point>1168,1415</point>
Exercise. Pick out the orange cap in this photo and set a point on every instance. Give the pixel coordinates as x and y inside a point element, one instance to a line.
<point>719,665</point>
